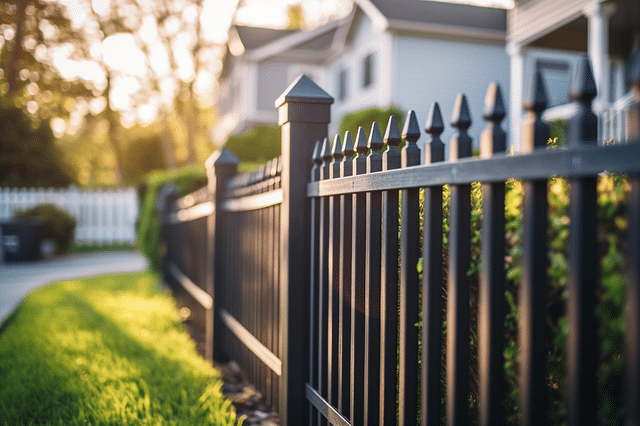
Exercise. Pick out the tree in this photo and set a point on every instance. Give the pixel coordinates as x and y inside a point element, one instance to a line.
<point>29,155</point>
<point>33,31</point>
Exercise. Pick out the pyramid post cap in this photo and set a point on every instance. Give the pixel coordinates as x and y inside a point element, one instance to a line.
<point>304,90</point>
<point>221,157</point>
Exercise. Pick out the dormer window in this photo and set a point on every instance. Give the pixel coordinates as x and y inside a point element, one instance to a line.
<point>367,70</point>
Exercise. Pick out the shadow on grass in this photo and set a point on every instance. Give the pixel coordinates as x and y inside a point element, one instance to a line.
<point>97,372</point>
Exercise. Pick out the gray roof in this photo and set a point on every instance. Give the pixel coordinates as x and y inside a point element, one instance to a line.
<point>322,42</point>
<point>253,37</point>
<point>433,12</point>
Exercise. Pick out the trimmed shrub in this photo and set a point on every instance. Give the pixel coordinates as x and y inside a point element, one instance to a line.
<point>58,224</point>
<point>187,180</point>
<point>258,145</point>
<point>366,117</point>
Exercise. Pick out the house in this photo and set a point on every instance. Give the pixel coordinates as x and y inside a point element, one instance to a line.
<point>407,53</point>
<point>566,30</point>
<point>258,65</point>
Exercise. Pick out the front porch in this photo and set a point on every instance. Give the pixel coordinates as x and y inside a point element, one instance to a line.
<point>550,36</point>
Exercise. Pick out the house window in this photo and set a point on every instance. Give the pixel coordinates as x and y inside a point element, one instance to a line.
<point>557,79</point>
<point>342,85</point>
<point>367,70</point>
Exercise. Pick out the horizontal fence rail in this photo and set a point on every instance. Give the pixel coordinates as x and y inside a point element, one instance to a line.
<point>362,281</point>
<point>102,216</point>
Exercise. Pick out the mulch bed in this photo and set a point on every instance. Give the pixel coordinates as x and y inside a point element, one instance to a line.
<point>244,396</point>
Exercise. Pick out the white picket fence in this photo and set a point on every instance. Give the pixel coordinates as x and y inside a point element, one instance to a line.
<point>102,216</point>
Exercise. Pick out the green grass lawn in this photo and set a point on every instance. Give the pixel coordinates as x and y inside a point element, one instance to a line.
<point>107,350</point>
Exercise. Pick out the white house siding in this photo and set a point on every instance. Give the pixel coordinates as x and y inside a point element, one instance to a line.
<point>437,69</point>
<point>364,41</point>
<point>271,82</point>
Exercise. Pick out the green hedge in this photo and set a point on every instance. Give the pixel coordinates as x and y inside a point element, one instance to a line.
<point>366,117</point>
<point>187,180</point>
<point>58,224</point>
<point>258,145</point>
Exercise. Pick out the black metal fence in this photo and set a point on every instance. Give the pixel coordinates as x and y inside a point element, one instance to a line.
<point>319,265</point>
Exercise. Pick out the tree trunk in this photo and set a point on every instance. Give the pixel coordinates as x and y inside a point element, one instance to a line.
<point>13,71</point>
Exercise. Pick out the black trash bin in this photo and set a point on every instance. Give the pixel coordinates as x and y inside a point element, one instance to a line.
<point>21,239</point>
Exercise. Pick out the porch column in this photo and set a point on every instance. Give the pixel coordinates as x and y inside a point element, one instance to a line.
<point>598,15</point>
<point>515,52</point>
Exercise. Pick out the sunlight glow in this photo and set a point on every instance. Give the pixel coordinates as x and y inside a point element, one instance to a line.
<point>121,54</point>
<point>101,7</point>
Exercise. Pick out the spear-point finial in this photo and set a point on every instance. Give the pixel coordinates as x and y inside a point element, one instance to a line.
<point>460,144</point>
<point>346,166</point>
<point>434,148</point>
<point>375,138</point>
<point>336,151</point>
<point>411,130</point>
<point>360,160</point>
<point>326,158</point>
<point>583,125</point>
<point>494,109</point>
<point>326,151</point>
<point>392,134</point>
<point>435,123</point>
<point>534,132</point>
<point>493,139</point>
<point>347,148</point>
<point>391,158</point>
<point>411,153</point>
<point>584,84</point>
<point>537,101</point>
<point>461,117</point>
<point>316,156</point>
<point>361,142</point>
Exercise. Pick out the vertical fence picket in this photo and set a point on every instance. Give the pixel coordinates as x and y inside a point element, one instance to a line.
<point>323,298</point>
<point>372,284</point>
<point>533,285</point>
<point>334,277</point>
<point>432,277</point>
<point>358,260</point>
<point>457,279</point>
<point>314,280</point>
<point>391,159</point>
<point>582,280</point>
<point>409,289</point>
<point>492,277</point>
<point>344,316</point>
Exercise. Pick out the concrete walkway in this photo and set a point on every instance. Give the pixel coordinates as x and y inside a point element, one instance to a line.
<point>18,279</point>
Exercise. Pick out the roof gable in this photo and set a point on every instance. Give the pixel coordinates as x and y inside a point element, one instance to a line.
<point>434,17</point>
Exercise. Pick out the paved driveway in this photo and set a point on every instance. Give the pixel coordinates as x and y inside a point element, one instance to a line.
<point>18,279</point>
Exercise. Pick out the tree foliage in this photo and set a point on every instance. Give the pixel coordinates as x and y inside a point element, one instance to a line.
<point>29,157</point>
<point>257,145</point>
<point>30,33</point>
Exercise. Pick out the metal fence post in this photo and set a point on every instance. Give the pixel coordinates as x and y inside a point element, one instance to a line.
<point>303,114</point>
<point>221,166</point>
